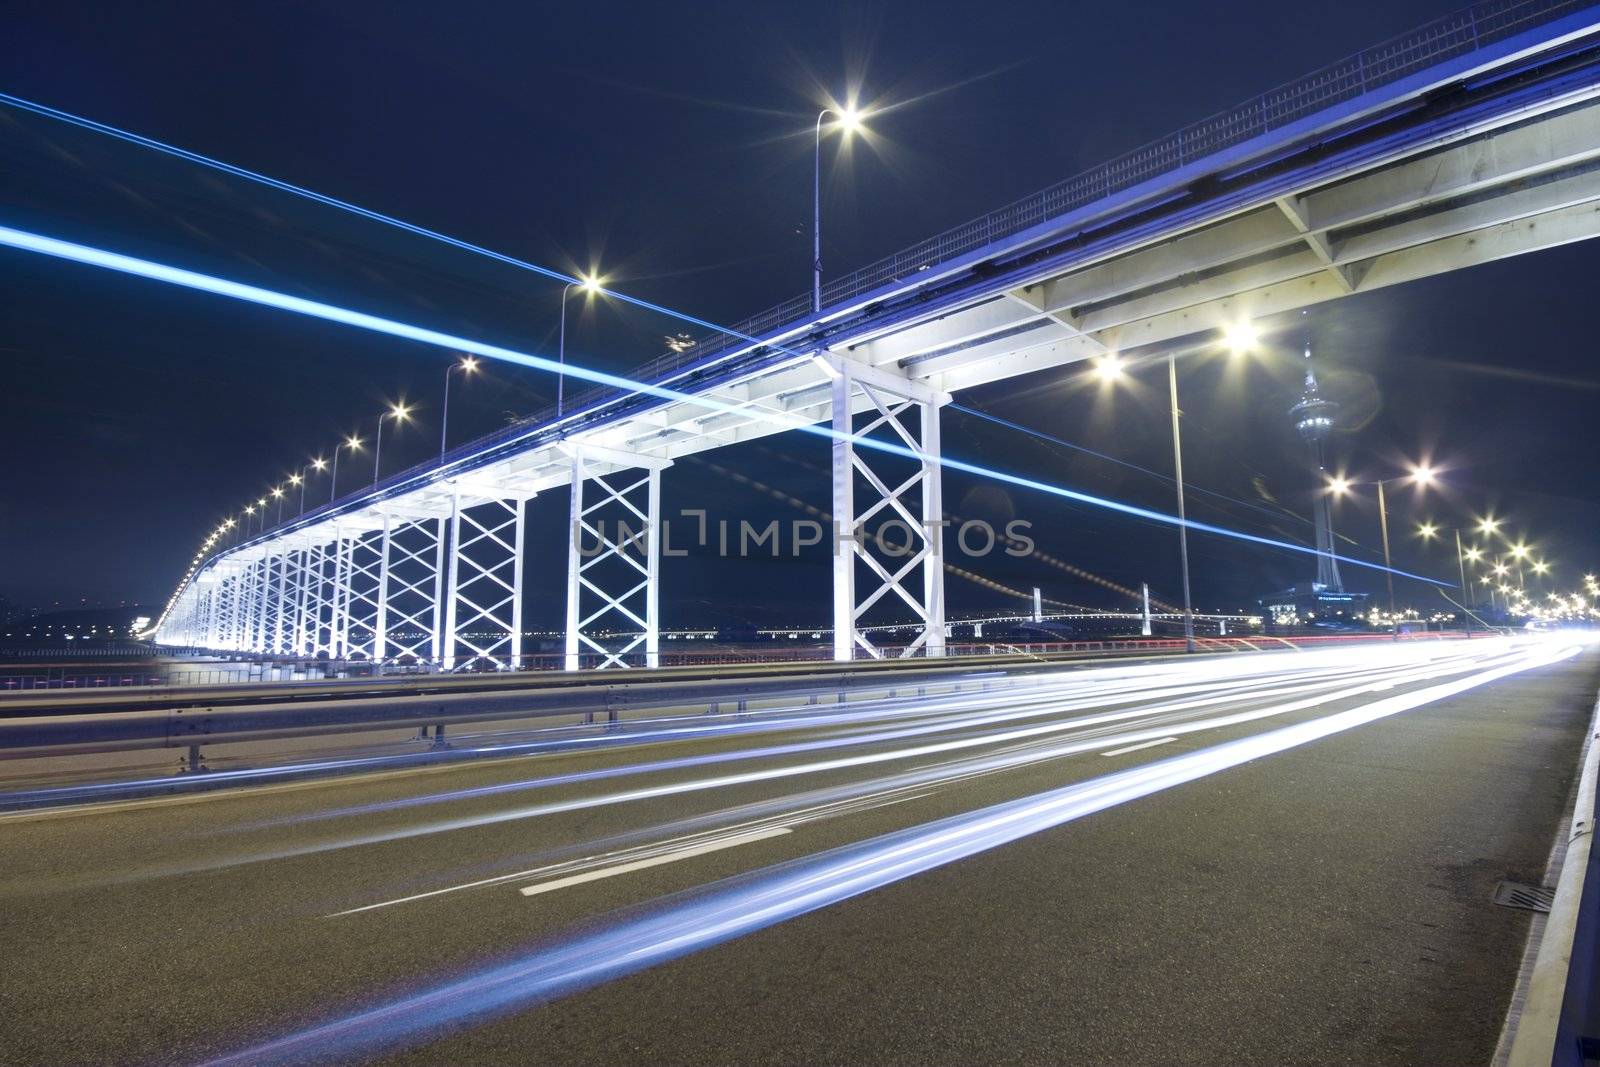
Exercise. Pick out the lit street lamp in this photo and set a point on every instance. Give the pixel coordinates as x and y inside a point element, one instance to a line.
<point>300,479</point>
<point>466,365</point>
<point>589,283</point>
<point>1421,475</point>
<point>398,413</point>
<point>849,121</point>
<point>353,444</point>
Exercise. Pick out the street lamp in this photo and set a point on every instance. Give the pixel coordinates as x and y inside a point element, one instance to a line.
<point>352,444</point>
<point>1109,368</point>
<point>466,365</point>
<point>1241,337</point>
<point>277,493</point>
<point>849,120</point>
<point>590,284</point>
<point>398,413</point>
<point>1421,475</point>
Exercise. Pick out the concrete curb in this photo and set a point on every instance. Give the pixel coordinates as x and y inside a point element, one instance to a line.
<point>1538,1027</point>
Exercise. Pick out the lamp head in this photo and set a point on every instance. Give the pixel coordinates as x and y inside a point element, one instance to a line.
<point>1109,367</point>
<point>1241,337</point>
<point>852,119</point>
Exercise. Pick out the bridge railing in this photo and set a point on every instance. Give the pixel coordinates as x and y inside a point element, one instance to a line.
<point>1444,38</point>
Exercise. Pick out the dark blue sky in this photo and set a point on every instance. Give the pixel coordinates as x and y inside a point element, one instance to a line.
<point>670,145</point>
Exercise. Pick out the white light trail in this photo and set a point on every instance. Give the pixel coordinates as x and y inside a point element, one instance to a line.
<point>743,905</point>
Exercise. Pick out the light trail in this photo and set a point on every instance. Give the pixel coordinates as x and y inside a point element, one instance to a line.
<point>795,809</point>
<point>743,905</point>
<point>362,212</point>
<point>143,268</point>
<point>781,773</point>
<point>1040,699</point>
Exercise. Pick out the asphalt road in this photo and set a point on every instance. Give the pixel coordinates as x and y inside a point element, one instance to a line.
<point>1256,859</point>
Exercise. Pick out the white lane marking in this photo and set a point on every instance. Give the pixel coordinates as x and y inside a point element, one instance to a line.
<point>1135,748</point>
<point>653,861</point>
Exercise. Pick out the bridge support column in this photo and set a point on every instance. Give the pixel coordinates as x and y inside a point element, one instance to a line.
<point>302,587</point>
<point>282,600</point>
<point>408,623</point>
<point>885,542</point>
<point>362,590</point>
<point>483,596</point>
<point>380,622</point>
<point>617,585</point>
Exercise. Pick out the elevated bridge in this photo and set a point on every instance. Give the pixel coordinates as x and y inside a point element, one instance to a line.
<point>1474,138</point>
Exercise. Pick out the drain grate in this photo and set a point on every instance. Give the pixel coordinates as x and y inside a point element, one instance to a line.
<point>1522,895</point>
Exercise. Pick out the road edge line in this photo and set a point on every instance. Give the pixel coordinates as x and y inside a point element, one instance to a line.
<point>1536,1027</point>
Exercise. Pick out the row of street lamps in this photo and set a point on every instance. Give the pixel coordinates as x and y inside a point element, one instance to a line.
<point>848,119</point>
<point>1239,339</point>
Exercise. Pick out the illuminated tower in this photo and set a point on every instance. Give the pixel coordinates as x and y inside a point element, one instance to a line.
<point>1314,418</point>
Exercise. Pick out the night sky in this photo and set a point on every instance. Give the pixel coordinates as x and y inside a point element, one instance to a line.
<point>669,146</point>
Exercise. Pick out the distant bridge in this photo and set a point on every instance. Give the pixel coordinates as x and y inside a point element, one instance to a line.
<point>1474,138</point>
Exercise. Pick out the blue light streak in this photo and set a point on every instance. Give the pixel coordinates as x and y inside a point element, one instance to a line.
<point>356,209</point>
<point>143,268</point>
<point>745,904</point>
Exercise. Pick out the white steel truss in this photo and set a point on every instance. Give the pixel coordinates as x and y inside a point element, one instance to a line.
<point>888,562</point>
<point>617,585</point>
<point>359,579</point>
<point>409,626</point>
<point>483,595</point>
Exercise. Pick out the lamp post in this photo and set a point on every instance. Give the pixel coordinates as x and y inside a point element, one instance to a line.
<point>589,283</point>
<point>849,120</point>
<point>277,493</point>
<point>398,412</point>
<point>1183,522</point>
<point>1420,475</point>
<point>466,365</point>
<point>1428,531</point>
<point>300,479</point>
<point>353,444</point>
<point>1240,338</point>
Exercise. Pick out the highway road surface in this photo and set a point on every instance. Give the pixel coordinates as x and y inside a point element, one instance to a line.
<point>1248,859</point>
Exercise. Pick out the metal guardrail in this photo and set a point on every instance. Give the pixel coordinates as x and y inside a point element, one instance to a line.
<point>50,677</point>
<point>45,731</point>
